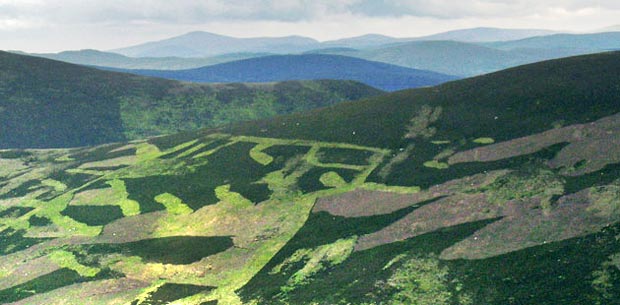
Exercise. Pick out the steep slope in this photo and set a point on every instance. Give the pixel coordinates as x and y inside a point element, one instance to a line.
<point>202,44</point>
<point>307,67</point>
<point>45,103</point>
<point>108,59</point>
<point>501,189</point>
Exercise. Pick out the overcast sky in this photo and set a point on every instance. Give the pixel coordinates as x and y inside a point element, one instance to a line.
<point>55,25</point>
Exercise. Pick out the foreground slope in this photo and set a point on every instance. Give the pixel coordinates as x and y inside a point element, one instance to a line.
<point>501,189</point>
<point>45,103</point>
<point>307,67</point>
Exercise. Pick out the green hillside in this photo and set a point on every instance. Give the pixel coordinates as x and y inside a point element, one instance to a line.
<point>45,103</point>
<point>501,189</point>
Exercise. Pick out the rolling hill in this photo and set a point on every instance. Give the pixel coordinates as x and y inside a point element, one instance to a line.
<point>576,43</point>
<point>486,34</point>
<point>306,67</point>
<point>448,57</point>
<point>46,103</point>
<point>204,44</point>
<point>108,59</point>
<point>499,189</point>
<point>461,58</point>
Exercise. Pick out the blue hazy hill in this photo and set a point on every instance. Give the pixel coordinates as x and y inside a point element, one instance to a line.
<point>306,67</point>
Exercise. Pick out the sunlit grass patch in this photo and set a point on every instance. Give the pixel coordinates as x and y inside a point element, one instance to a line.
<point>66,259</point>
<point>332,179</point>
<point>259,156</point>
<point>436,164</point>
<point>484,140</point>
<point>174,205</point>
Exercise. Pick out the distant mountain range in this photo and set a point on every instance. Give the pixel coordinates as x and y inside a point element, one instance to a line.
<point>576,43</point>
<point>486,34</point>
<point>204,44</point>
<point>451,57</point>
<point>306,67</point>
<point>46,103</point>
<point>469,59</point>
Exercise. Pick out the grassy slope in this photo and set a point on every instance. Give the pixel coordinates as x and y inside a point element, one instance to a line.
<point>307,67</point>
<point>513,231</point>
<point>45,103</point>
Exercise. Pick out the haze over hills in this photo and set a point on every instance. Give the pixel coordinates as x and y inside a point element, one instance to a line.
<point>576,43</point>
<point>306,67</point>
<point>204,44</point>
<point>46,103</point>
<point>447,57</point>
<point>497,189</point>
<point>486,34</point>
<point>469,59</point>
<point>109,59</point>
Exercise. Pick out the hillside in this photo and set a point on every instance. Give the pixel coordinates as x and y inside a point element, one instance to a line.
<point>204,44</point>
<point>499,189</point>
<point>108,59</point>
<point>45,103</point>
<point>306,67</point>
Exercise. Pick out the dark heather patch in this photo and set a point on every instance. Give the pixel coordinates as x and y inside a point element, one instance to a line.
<point>412,172</point>
<point>23,190</point>
<point>357,279</point>
<point>94,215</point>
<point>605,176</point>
<point>103,152</point>
<point>108,168</point>
<point>72,180</point>
<point>180,250</point>
<point>37,221</point>
<point>344,156</point>
<point>12,241</point>
<point>15,212</point>
<point>556,273</point>
<point>311,180</point>
<point>57,279</point>
<point>230,165</point>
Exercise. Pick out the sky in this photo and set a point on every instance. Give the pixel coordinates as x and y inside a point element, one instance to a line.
<point>57,25</point>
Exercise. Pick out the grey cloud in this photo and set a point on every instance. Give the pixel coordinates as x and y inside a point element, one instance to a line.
<point>192,12</point>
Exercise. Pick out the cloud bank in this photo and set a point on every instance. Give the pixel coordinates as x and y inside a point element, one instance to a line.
<point>91,21</point>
